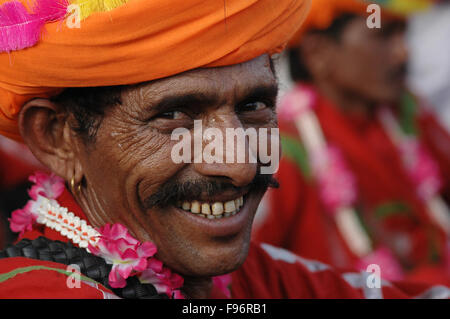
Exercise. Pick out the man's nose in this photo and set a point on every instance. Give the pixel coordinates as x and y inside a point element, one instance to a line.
<point>234,161</point>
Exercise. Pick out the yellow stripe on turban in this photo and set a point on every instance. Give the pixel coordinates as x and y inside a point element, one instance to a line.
<point>144,40</point>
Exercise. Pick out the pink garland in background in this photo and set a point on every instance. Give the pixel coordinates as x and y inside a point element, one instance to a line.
<point>337,185</point>
<point>422,169</point>
<point>294,104</point>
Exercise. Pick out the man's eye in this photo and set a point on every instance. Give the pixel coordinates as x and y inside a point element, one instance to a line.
<point>254,106</point>
<point>172,115</point>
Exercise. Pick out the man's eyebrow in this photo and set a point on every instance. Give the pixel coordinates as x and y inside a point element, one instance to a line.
<point>199,100</point>
<point>269,91</point>
<point>184,100</point>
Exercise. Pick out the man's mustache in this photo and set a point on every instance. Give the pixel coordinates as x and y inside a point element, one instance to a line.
<point>172,191</point>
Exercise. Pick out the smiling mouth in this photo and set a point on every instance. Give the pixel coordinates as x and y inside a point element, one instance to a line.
<point>215,210</point>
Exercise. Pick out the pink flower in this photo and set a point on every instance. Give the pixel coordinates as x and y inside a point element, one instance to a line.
<point>125,253</point>
<point>49,186</point>
<point>295,103</point>
<point>337,183</point>
<point>22,220</point>
<point>162,279</point>
<point>223,284</point>
<point>118,232</point>
<point>422,169</point>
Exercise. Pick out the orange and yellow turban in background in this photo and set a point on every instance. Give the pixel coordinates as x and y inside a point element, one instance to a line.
<point>324,12</point>
<point>140,41</point>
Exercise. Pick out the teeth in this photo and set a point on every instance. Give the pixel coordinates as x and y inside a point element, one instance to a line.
<point>195,207</point>
<point>206,209</point>
<point>186,206</point>
<point>229,206</point>
<point>216,210</point>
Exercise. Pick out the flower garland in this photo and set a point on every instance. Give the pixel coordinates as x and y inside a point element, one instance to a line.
<point>337,185</point>
<point>420,166</point>
<point>418,162</point>
<point>45,188</point>
<point>113,243</point>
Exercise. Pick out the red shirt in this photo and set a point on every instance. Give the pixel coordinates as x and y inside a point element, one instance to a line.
<point>268,272</point>
<point>297,220</point>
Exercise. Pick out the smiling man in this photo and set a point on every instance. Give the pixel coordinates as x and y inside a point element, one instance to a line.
<point>127,161</point>
<point>98,106</point>
<point>121,160</point>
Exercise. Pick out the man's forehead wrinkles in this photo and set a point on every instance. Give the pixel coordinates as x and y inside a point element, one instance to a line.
<point>182,84</point>
<point>209,86</point>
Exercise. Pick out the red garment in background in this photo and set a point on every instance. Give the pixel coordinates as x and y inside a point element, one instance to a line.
<point>297,219</point>
<point>16,163</point>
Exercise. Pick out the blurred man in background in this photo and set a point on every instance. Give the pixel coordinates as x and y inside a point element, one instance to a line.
<point>365,177</point>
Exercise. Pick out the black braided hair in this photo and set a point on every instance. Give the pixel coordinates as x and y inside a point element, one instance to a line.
<point>91,266</point>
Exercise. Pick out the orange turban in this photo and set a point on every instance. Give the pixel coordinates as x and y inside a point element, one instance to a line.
<point>141,41</point>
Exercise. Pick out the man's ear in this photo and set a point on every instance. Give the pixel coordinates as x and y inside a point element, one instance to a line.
<point>46,131</point>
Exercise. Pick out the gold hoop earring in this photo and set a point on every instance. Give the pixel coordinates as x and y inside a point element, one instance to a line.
<point>72,185</point>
